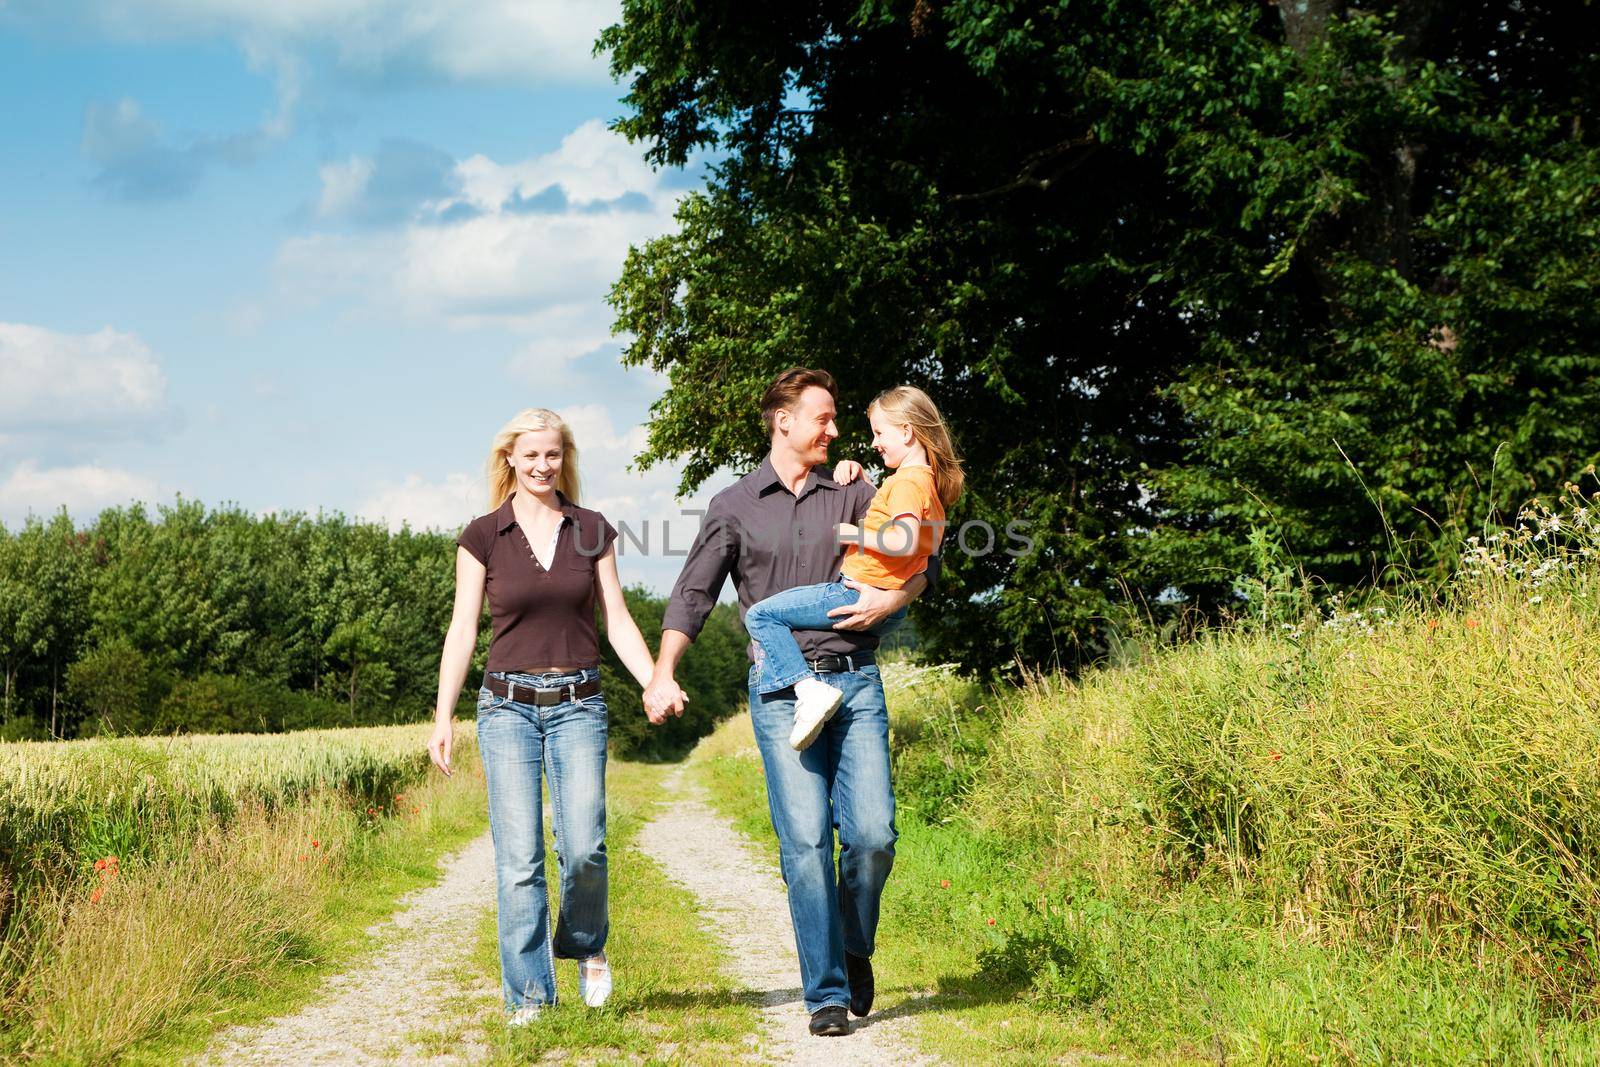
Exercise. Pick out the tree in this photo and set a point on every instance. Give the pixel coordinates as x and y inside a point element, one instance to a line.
<point>1174,271</point>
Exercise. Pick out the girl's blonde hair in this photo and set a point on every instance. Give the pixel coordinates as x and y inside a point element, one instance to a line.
<point>503,480</point>
<point>906,405</point>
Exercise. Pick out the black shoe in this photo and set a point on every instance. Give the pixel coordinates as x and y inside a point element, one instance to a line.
<point>859,970</point>
<point>830,1022</point>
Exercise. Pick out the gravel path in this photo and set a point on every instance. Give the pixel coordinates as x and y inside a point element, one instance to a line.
<point>743,900</point>
<point>371,1014</point>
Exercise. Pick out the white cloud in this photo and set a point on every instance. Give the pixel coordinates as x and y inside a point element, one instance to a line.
<point>530,245</point>
<point>48,377</point>
<point>505,41</point>
<point>424,505</point>
<point>82,490</point>
<point>342,185</point>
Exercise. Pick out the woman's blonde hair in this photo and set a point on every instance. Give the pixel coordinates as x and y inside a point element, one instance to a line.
<point>503,480</point>
<point>906,405</point>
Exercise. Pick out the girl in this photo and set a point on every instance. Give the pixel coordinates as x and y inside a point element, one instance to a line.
<point>539,557</point>
<point>900,531</point>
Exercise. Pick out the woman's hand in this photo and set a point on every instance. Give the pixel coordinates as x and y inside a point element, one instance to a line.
<point>440,743</point>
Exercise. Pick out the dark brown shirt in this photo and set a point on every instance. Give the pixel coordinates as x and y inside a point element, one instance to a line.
<point>770,540</point>
<point>541,618</point>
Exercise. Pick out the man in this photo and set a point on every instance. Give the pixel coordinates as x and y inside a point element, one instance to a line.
<point>772,530</point>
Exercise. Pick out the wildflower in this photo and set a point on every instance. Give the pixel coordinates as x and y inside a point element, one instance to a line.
<point>99,865</point>
<point>1536,600</point>
<point>1433,624</point>
<point>991,922</point>
<point>315,843</point>
<point>944,883</point>
<point>1276,756</point>
<point>372,811</point>
<point>94,898</point>
<point>1472,624</point>
<point>302,857</point>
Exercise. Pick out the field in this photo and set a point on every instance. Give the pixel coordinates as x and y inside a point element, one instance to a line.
<point>174,884</point>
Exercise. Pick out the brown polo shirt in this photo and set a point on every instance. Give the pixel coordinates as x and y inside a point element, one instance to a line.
<point>541,618</point>
<point>768,539</point>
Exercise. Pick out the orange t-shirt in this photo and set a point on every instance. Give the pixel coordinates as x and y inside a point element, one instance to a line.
<point>911,493</point>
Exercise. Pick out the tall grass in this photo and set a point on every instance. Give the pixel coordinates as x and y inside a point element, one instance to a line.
<point>146,880</point>
<point>1411,774</point>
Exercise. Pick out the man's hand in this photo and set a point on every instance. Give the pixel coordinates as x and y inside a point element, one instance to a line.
<point>663,697</point>
<point>847,471</point>
<point>871,608</point>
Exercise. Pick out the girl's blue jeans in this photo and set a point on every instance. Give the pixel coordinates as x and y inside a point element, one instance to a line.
<point>772,622</point>
<point>566,743</point>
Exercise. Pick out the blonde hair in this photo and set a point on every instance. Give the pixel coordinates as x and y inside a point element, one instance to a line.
<point>906,405</point>
<point>503,480</point>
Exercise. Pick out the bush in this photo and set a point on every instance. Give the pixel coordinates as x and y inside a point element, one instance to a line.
<point>117,688</point>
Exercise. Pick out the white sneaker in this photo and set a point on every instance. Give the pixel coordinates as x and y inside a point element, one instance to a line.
<point>524,1015</point>
<point>593,990</point>
<point>815,703</point>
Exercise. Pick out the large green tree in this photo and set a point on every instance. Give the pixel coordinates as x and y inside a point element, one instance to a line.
<point>1174,271</point>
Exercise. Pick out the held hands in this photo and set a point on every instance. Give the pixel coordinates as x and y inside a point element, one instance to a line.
<point>663,697</point>
<point>440,743</point>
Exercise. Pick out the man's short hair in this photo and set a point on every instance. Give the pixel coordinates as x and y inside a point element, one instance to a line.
<point>785,390</point>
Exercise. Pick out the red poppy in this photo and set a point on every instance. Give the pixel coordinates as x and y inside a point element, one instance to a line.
<point>991,922</point>
<point>315,843</point>
<point>99,865</point>
<point>944,883</point>
<point>94,898</point>
<point>1472,624</point>
<point>1276,756</point>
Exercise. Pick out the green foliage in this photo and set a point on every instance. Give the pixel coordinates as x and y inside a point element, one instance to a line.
<point>1174,271</point>
<point>1048,949</point>
<point>202,621</point>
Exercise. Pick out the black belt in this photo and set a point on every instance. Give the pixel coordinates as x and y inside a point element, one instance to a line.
<point>841,664</point>
<point>522,693</point>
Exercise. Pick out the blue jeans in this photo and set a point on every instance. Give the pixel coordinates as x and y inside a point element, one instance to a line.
<point>840,783</point>
<point>772,622</point>
<point>567,742</point>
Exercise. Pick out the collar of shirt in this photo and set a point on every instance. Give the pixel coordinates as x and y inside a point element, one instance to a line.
<point>767,480</point>
<point>506,516</point>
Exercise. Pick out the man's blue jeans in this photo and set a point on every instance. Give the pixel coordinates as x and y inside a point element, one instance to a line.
<point>771,624</point>
<point>840,782</point>
<point>567,742</point>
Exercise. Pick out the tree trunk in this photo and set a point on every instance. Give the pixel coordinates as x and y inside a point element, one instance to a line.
<point>1306,21</point>
<point>55,689</point>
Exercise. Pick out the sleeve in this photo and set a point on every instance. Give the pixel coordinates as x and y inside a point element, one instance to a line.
<point>907,496</point>
<point>608,535</point>
<point>476,541</point>
<point>710,561</point>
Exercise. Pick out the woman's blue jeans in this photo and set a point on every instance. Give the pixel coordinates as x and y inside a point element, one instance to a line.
<point>567,743</point>
<point>771,624</point>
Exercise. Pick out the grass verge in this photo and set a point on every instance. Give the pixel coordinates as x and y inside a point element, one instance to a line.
<point>236,923</point>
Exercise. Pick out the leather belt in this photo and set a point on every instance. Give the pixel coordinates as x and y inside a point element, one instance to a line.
<point>840,664</point>
<point>527,694</point>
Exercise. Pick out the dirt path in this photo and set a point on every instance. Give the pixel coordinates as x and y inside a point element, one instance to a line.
<point>742,899</point>
<point>375,1012</point>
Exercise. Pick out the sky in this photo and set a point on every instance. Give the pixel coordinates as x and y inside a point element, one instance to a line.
<point>310,254</point>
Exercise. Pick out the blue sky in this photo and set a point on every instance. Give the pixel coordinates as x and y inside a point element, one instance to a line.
<point>311,254</point>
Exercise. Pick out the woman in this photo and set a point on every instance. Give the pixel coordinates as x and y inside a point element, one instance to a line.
<point>539,557</point>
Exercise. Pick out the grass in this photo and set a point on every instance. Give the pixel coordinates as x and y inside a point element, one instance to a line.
<point>277,885</point>
<point>673,1003</point>
<point>1353,836</point>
